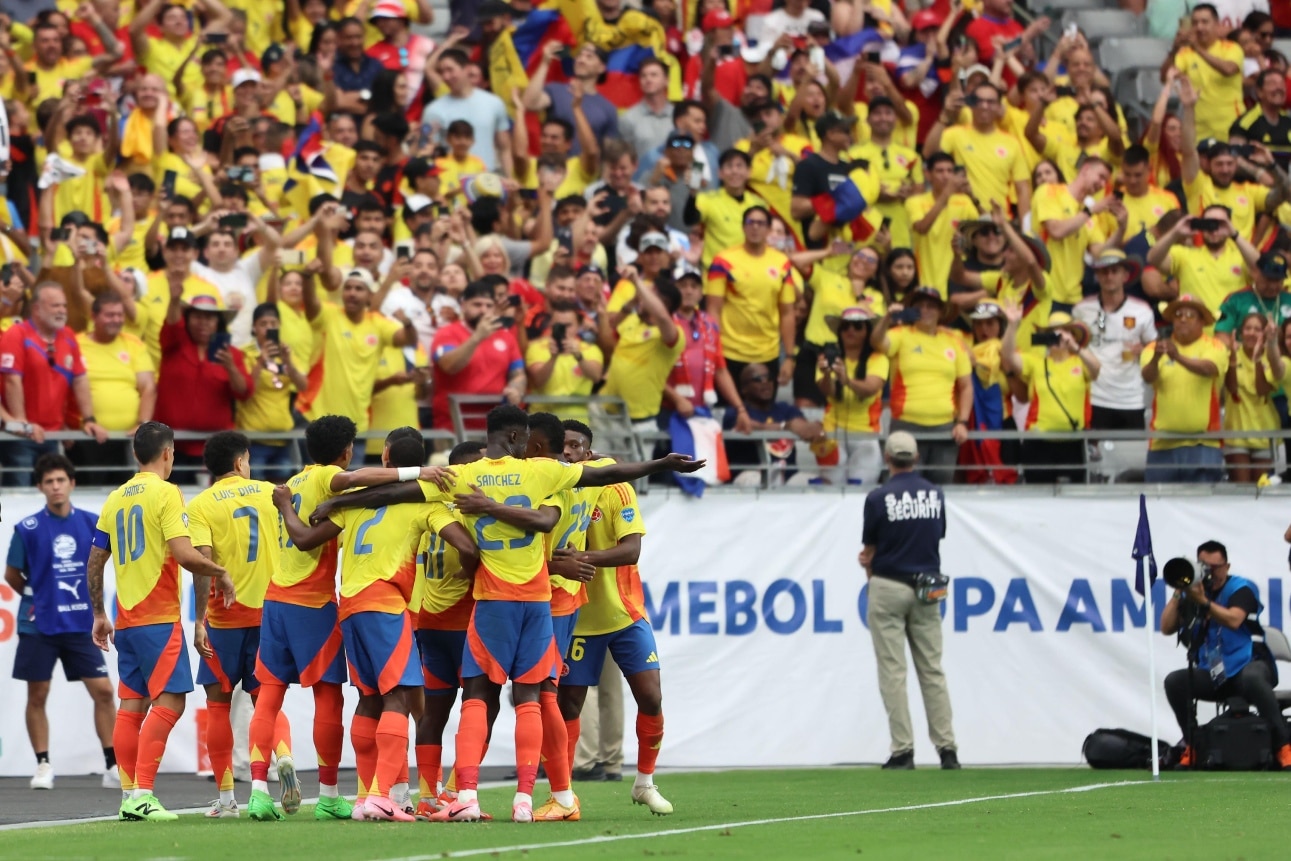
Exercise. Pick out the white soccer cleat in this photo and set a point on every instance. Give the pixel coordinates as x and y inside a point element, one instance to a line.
<point>112,778</point>
<point>404,802</point>
<point>219,810</point>
<point>44,776</point>
<point>650,797</point>
<point>522,812</point>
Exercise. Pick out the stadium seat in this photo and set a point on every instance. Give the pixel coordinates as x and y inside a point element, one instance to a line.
<point>1280,649</point>
<point>1099,24</point>
<point>1117,54</point>
<point>1282,46</point>
<point>1055,8</point>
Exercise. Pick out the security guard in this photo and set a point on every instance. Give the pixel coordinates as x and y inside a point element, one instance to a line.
<point>905,521</point>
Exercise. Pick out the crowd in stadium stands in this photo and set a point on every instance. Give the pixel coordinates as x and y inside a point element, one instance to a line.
<point>245,214</point>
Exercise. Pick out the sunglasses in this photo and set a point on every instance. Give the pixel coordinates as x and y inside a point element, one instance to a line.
<point>855,325</point>
<point>868,258</point>
<point>1186,314</point>
<point>757,222</point>
<point>681,144</point>
<point>988,231</point>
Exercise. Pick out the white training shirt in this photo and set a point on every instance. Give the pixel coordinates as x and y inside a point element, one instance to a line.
<point>1119,385</point>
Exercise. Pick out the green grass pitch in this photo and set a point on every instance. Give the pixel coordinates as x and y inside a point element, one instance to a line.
<point>992,813</point>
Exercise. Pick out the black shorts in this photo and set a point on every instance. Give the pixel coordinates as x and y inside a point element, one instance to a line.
<point>37,654</point>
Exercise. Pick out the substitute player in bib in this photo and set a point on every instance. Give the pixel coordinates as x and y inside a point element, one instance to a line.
<point>510,634</point>
<point>234,523</point>
<point>144,530</point>
<point>46,566</point>
<point>300,636</point>
<point>378,569</point>
<point>614,619</point>
<point>573,508</point>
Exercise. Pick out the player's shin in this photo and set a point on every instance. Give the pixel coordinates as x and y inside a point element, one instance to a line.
<point>392,753</point>
<point>555,748</point>
<point>125,739</point>
<point>528,746</point>
<point>219,745</point>
<point>152,747</point>
<point>472,729</point>
<point>329,735</point>
<point>268,705</point>
<point>363,736</point>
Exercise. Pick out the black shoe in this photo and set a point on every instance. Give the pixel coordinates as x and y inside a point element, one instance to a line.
<point>949,759</point>
<point>596,772</point>
<point>900,761</point>
<point>614,776</point>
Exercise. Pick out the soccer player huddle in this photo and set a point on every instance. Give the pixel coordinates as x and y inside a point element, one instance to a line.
<point>517,562</point>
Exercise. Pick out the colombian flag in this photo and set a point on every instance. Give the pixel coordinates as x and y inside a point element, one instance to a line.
<point>308,171</point>
<point>628,42</point>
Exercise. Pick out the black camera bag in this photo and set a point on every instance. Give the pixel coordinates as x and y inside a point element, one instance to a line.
<point>1235,741</point>
<point>1120,748</point>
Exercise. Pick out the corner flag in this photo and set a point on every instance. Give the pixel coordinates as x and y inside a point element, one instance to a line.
<point>1143,550</point>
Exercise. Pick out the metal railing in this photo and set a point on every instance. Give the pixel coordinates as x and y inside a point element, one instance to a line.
<point>615,436</point>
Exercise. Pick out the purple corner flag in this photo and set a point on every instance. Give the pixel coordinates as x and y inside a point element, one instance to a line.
<point>1143,550</point>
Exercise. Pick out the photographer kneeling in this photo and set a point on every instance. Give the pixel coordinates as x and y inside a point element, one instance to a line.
<point>1219,613</point>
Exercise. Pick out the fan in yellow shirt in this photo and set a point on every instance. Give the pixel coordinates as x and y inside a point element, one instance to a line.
<point>1021,280</point>
<point>1145,203</point>
<point>997,169</point>
<point>166,55</point>
<point>122,376</point>
<point>1221,265</point>
<point>1063,216</point>
<point>1250,385</point>
<point>896,164</point>
<point>1097,136</point>
<point>1214,68</point>
<point>750,290</point>
<point>935,217</point>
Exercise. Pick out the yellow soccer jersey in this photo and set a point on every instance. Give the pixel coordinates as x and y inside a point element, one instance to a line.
<point>513,565</point>
<point>113,369</point>
<point>753,288</point>
<point>614,597</point>
<point>443,599</point>
<point>236,518</point>
<point>136,522</point>
<point>1185,402</point>
<point>307,578</point>
<point>993,161</point>
<point>932,250</point>
<point>924,370</point>
<point>379,554</point>
<point>351,359</point>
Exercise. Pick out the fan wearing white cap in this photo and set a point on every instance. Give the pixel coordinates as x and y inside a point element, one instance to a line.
<point>400,48</point>
<point>354,337</point>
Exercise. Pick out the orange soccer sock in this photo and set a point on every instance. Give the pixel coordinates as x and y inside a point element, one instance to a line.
<point>264,719</point>
<point>219,744</point>
<point>649,740</point>
<point>472,730</point>
<point>429,760</point>
<point>392,753</point>
<point>125,740</point>
<point>555,743</point>
<point>363,735</point>
<point>152,745</point>
<point>329,730</point>
<point>573,728</point>
<point>528,746</point>
<point>282,735</point>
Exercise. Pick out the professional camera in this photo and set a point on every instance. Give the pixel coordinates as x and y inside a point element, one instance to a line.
<point>1181,572</point>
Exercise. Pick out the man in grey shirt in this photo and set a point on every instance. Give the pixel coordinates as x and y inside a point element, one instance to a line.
<point>556,100</point>
<point>647,124</point>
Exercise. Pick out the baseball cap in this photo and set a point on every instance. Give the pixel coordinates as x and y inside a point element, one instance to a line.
<point>716,20</point>
<point>1206,145</point>
<point>415,203</point>
<point>591,269</point>
<point>363,276</point>
<point>924,292</point>
<point>388,9</point>
<point>273,54</point>
<point>987,309</point>
<point>181,236</point>
<point>925,19</point>
<point>680,139</point>
<point>419,167</point>
<point>1273,264</point>
<point>881,102</point>
<point>900,444</point>
<point>245,76</point>
<point>653,239</point>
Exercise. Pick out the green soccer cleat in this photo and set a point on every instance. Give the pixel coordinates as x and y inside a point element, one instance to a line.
<point>333,808</point>
<point>146,808</point>
<point>289,784</point>
<point>261,807</point>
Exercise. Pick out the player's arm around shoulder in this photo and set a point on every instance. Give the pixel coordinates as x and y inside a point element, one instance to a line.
<point>306,538</point>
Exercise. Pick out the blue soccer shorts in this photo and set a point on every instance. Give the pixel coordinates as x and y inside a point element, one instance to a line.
<point>380,651</point>
<point>511,640</point>
<point>234,660</point>
<point>37,653</point>
<point>300,645</point>
<point>633,649</point>
<point>563,629</point>
<point>152,660</point>
<point>441,660</point>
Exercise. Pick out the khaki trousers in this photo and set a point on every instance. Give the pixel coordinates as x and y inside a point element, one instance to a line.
<point>895,617</point>
<point>601,736</point>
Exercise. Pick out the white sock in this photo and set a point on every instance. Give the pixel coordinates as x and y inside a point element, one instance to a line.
<point>522,798</point>
<point>325,791</point>
<point>259,786</point>
<point>399,792</point>
<point>140,793</point>
<point>565,797</point>
<point>226,798</point>
<point>643,780</point>
<point>467,796</point>
<point>439,788</point>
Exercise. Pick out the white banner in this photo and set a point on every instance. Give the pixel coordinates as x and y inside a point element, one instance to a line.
<point>757,604</point>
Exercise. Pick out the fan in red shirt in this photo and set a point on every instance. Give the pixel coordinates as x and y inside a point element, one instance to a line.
<point>201,372</point>
<point>475,356</point>
<point>996,20</point>
<point>730,76</point>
